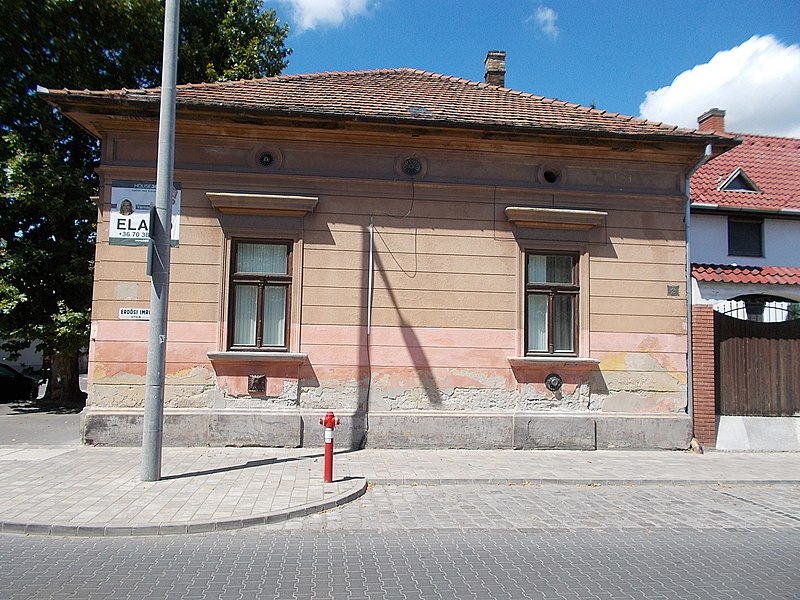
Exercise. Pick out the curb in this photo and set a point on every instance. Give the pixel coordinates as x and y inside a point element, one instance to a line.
<point>522,481</point>
<point>190,527</point>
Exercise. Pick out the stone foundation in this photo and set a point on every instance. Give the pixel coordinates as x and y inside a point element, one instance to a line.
<point>395,429</point>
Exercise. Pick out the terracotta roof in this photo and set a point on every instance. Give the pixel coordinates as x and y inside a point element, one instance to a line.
<point>737,274</point>
<point>392,95</point>
<point>771,163</point>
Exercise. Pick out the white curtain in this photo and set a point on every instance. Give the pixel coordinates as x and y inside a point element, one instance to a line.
<point>563,334</point>
<point>537,323</point>
<point>261,258</point>
<point>274,315</point>
<point>537,268</point>
<point>549,269</point>
<point>246,301</point>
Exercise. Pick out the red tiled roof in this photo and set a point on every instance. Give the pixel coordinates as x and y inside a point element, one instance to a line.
<point>737,274</point>
<point>771,163</point>
<point>395,95</point>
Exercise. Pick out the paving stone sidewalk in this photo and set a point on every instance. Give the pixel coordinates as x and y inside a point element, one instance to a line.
<point>89,491</point>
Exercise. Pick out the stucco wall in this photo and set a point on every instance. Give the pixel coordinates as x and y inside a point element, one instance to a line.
<point>447,305</point>
<point>709,242</point>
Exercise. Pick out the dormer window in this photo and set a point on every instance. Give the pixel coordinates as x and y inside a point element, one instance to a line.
<point>738,181</point>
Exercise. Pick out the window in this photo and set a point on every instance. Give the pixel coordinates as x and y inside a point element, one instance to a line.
<point>745,237</point>
<point>738,181</point>
<point>551,300</point>
<point>259,295</point>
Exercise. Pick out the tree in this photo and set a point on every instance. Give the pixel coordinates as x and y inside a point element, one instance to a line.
<point>47,179</point>
<point>223,40</point>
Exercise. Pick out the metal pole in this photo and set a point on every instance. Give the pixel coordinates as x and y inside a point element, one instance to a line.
<point>160,234</point>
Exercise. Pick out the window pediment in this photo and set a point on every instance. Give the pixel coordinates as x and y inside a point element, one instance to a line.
<point>272,205</point>
<point>554,218</point>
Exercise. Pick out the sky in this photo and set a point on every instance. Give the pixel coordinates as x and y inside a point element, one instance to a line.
<point>664,60</point>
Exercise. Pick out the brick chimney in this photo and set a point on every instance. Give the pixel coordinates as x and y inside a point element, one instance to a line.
<point>495,67</point>
<point>712,120</point>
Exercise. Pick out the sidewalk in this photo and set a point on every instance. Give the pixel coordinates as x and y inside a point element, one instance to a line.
<point>93,491</point>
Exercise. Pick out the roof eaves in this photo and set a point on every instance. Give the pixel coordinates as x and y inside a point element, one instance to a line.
<point>143,97</point>
<point>420,121</point>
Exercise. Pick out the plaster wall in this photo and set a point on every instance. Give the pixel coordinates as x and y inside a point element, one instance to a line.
<point>447,316</point>
<point>709,242</point>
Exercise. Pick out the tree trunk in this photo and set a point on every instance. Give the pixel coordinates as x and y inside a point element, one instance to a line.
<point>64,386</point>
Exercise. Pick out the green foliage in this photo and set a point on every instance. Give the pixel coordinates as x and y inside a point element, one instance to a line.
<point>223,40</point>
<point>46,260</point>
<point>794,311</point>
<point>47,178</point>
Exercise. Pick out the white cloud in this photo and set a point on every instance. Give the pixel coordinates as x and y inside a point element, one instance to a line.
<point>545,19</point>
<point>756,83</point>
<point>310,14</point>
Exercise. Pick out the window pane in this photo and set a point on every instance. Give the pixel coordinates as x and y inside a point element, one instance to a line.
<point>537,268</point>
<point>261,258</point>
<point>744,238</point>
<point>559,269</point>
<point>274,315</point>
<point>537,323</point>
<point>245,307</point>
<point>563,323</point>
<point>549,269</point>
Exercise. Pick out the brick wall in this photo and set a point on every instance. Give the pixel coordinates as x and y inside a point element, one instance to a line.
<point>703,388</point>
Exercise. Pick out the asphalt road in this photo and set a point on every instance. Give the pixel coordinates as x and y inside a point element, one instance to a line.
<point>37,423</point>
<point>32,423</point>
<point>451,541</point>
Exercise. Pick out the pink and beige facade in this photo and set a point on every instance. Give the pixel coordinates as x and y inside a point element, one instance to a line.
<point>442,263</point>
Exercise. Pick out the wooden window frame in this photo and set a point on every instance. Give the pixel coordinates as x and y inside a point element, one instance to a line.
<point>262,281</point>
<point>552,290</point>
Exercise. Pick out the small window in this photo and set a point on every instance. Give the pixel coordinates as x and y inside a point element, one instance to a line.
<point>259,295</point>
<point>738,181</point>
<point>551,300</point>
<point>745,237</point>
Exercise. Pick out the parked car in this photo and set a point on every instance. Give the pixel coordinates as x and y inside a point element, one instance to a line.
<point>16,386</point>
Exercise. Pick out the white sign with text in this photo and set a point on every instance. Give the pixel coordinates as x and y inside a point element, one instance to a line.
<point>130,213</point>
<point>134,314</point>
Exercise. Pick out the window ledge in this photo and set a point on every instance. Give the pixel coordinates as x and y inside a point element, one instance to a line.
<point>262,204</point>
<point>265,357</point>
<point>554,218</point>
<point>532,361</point>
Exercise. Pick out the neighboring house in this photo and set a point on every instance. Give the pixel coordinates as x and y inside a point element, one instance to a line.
<point>744,235</point>
<point>442,262</point>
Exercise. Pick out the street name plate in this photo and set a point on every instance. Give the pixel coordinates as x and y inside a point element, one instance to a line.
<point>134,314</point>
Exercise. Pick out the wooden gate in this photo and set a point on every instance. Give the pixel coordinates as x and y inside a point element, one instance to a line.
<point>757,367</point>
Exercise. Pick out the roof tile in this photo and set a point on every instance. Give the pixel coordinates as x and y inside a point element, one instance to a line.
<point>743,274</point>
<point>771,163</point>
<point>397,95</point>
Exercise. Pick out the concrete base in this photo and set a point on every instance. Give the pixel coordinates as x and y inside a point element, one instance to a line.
<point>547,431</point>
<point>195,428</point>
<point>396,429</point>
<point>766,434</point>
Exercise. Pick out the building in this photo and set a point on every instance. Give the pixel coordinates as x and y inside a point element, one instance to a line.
<point>442,262</point>
<point>745,225</point>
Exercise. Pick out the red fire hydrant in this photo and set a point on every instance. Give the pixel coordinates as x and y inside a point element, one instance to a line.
<point>330,422</point>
